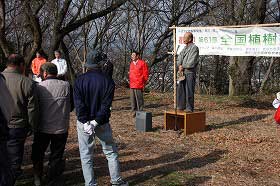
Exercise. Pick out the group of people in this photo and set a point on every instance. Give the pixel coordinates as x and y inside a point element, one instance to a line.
<point>43,108</point>
<point>60,63</point>
<point>186,77</point>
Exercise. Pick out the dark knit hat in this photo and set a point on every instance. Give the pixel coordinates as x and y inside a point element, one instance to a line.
<point>94,59</point>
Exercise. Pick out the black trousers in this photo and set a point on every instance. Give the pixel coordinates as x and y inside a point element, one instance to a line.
<point>181,95</point>
<point>190,89</point>
<point>15,148</point>
<point>6,173</point>
<point>57,144</point>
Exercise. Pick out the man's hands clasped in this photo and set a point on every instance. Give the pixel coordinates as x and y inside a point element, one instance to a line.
<point>89,127</point>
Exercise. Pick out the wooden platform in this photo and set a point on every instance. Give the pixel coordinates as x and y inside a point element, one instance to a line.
<point>191,122</point>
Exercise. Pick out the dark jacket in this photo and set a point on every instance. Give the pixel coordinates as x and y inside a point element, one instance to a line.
<point>93,96</point>
<point>3,127</point>
<point>23,91</point>
<point>5,106</point>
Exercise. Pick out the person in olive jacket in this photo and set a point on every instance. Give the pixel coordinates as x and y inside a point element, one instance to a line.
<point>6,105</point>
<point>25,113</point>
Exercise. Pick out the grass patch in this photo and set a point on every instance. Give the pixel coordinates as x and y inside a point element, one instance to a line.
<point>175,179</point>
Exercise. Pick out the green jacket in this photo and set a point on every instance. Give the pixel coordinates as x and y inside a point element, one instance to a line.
<point>25,113</point>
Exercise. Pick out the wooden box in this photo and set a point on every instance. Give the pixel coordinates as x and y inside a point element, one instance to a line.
<point>191,122</point>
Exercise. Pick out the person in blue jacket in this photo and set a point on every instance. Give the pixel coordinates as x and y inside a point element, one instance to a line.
<point>93,96</point>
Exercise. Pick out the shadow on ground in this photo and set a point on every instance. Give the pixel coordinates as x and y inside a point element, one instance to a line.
<point>172,163</point>
<point>251,103</point>
<point>242,120</point>
<point>121,98</point>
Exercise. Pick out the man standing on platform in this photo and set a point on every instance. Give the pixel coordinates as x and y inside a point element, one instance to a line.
<point>138,77</point>
<point>188,58</point>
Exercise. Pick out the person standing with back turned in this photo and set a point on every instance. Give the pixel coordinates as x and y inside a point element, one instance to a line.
<point>188,58</point>
<point>6,107</point>
<point>25,114</point>
<point>93,96</point>
<point>55,106</point>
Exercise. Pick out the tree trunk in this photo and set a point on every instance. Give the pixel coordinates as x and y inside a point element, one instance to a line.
<point>240,73</point>
<point>35,28</point>
<point>71,72</point>
<point>240,69</point>
<point>266,77</point>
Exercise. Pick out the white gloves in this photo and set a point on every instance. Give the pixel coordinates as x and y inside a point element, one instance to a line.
<point>276,103</point>
<point>90,126</point>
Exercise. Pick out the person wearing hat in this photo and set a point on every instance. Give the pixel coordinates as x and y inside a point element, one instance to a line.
<point>276,102</point>
<point>93,96</point>
<point>55,107</point>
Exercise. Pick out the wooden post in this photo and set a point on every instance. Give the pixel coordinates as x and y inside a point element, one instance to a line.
<point>174,71</point>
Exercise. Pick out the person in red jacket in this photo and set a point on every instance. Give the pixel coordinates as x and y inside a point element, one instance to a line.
<point>138,76</point>
<point>36,64</point>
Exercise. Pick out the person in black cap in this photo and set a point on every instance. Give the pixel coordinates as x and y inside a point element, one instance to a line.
<point>93,96</point>
<point>106,65</point>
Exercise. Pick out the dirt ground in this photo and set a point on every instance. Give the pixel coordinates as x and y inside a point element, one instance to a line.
<point>241,145</point>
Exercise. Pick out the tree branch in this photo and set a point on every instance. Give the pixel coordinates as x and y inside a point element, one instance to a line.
<point>72,26</point>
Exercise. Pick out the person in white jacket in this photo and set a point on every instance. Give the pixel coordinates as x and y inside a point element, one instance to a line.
<point>276,102</point>
<point>61,65</point>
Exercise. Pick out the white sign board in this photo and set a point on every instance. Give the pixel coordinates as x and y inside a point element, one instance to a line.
<point>250,41</point>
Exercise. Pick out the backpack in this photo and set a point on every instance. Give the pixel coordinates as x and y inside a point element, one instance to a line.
<point>277,116</point>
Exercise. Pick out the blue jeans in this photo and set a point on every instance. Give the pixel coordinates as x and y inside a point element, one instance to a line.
<point>86,145</point>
